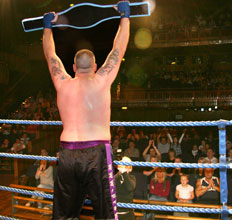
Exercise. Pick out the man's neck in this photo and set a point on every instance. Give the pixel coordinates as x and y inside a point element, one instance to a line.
<point>84,75</point>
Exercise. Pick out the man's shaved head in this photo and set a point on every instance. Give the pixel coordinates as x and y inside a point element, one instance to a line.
<point>84,61</point>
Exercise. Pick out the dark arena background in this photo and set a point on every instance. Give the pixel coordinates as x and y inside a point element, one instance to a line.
<point>178,67</point>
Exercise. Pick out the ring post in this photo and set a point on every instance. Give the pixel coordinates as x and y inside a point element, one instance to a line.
<point>223,170</point>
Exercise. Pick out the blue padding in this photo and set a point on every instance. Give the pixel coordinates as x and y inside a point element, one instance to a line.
<point>224,212</point>
<point>223,171</point>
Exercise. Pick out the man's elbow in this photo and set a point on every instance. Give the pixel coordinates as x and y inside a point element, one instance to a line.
<point>48,55</point>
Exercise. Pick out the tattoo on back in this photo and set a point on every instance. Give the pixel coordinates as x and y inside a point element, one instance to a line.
<point>56,69</point>
<point>112,61</point>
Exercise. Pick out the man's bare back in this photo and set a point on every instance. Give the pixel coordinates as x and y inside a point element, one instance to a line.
<point>85,163</point>
<point>84,106</point>
<point>84,101</point>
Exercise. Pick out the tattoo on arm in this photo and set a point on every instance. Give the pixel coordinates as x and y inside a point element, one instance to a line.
<point>56,69</point>
<point>110,64</point>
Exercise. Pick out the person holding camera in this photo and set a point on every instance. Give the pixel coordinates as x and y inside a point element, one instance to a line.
<point>45,174</point>
<point>125,187</point>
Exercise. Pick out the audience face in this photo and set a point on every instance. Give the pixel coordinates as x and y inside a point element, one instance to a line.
<point>178,160</point>
<point>163,141</point>
<point>6,142</point>
<point>131,145</point>
<point>200,160</point>
<point>207,146</point>
<point>195,147</point>
<point>210,153</point>
<point>171,153</point>
<point>152,152</point>
<point>43,164</point>
<point>230,153</point>
<point>121,134</point>
<point>44,152</point>
<point>154,135</point>
<point>228,145</point>
<point>175,140</point>
<point>203,149</point>
<point>184,180</point>
<point>160,173</point>
<point>115,143</point>
<point>209,173</point>
<point>128,168</point>
<point>154,159</point>
<point>133,131</point>
<point>187,137</point>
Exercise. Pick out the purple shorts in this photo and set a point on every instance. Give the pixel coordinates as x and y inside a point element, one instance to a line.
<point>85,168</point>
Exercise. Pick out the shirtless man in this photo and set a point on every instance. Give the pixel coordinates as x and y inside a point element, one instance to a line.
<point>85,164</point>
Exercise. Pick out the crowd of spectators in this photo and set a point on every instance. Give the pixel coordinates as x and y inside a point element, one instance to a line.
<point>192,79</point>
<point>171,20</point>
<point>41,107</point>
<point>16,138</point>
<point>174,145</point>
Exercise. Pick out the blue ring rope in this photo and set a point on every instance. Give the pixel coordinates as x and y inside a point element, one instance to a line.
<point>126,205</point>
<point>25,156</point>
<point>7,218</point>
<point>134,163</point>
<point>27,192</point>
<point>168,208</point>
<point>147,124</point>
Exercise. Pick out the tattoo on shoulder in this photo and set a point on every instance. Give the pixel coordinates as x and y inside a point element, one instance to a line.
<point>112,61</point>
<point>56,69</point>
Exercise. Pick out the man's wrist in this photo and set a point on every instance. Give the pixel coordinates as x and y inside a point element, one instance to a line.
<point>47,20</point>
<point>124,9</point>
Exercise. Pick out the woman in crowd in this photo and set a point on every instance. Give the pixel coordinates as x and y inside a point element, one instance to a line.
<point>159,188</point>
<point>45,174</point>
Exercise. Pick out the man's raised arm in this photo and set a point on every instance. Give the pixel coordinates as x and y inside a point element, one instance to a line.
<point>111,66</point>
<point>55,65</point>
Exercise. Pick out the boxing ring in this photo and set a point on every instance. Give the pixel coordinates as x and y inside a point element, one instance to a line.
<point>222,165</point>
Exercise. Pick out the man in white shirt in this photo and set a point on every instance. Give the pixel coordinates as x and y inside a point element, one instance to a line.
<point>210,156</point>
